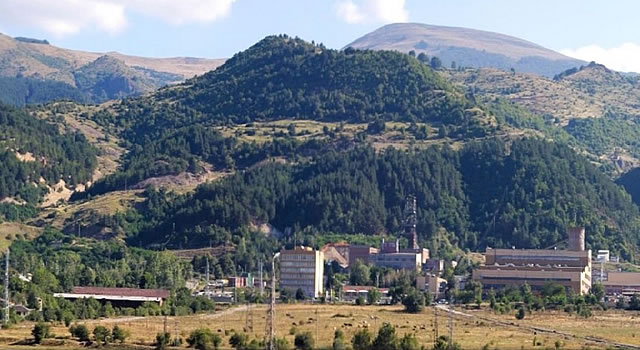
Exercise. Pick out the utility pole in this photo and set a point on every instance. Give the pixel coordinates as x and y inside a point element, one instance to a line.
<point>451,324</point>
<point>206,286</point>
<point>271,310</point>
<point>435,326</point>
<point>317,321</point>
<point>6,289</point>
<point>261,281</point>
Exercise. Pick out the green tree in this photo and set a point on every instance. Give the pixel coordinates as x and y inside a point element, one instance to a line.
<point>40,332</point>
<point>238,340</point>
<point>361,340</point>
<point>162,341</point>
<point>300,294</point>
<point>409,342</point>
<point>360,274</point>
<point>80,331</point>
<point>119,334</point>
<point>436,63</point>
<point>386,338</point>
<point>201,339</point>
<point>597,289</point>
<point>414,301</point>
<point>373,297</point>
<point>338,340</point>
<point>101,334</point>
<point>303,341</point>
<point>520,313</point>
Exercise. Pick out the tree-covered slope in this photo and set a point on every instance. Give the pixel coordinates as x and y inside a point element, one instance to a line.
<point>34,153</point>
<point>524,194</point>
<point>280,78</point>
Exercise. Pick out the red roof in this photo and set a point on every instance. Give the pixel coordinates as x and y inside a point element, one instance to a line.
<point>130,292</point>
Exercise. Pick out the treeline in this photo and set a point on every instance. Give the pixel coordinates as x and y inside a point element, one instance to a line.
<point>524,194</point>
<point>49,155</point>
<point>20,91</point>
<point>57,262</point>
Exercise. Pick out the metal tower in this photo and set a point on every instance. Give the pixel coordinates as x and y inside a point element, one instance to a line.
<point>410,221</point>
<point>248,322</point>
<point>271,310</point>
<point>6,289</point>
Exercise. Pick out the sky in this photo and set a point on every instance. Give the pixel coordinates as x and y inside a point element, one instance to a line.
<point>592,30</point>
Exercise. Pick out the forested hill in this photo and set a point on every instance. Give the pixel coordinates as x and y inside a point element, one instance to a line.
<point>281,77</point>
<point>486,194</point>
<point>34,153</point>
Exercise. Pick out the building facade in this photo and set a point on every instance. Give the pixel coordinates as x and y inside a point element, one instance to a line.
<point>621,283</point>
<point>538,267</point>
<point>302,268</point>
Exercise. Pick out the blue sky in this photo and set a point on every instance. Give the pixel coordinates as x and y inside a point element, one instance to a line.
<point>605,31</point>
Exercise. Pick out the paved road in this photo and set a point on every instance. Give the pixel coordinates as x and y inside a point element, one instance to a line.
<point>592,339</point>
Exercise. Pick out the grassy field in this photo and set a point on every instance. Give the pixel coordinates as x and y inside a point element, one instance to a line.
<point>9,231</point>
<point>472,332</point>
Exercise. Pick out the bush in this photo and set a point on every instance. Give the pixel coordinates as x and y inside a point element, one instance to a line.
<point>40,332</point>
<point>162,341</point>
<point>413,302</point>
<point>360,300</point>
<point>101,334</point>
<point>520,313</point>
<point>202,339</point>
<point>80,331</point>
<point>238,340</point>
<point>361,340</point>
<point>303,341</point>
<point>118,334</point>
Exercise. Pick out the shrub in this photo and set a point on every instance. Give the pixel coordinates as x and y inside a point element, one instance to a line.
<point>80,331</point>
<point>101,334</point>
<point>303,341</point>
<point>40,332</point>
<point>118,334</point>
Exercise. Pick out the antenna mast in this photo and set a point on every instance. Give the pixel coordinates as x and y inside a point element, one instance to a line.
<point>6,289</point>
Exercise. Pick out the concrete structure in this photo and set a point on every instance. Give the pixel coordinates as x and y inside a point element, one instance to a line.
<point>432,283</point>
<point>434,266</point>
<point>621,283</point>
<point>602,256</point>
<point>363,253</point>
<point>399,261</point>
<point>124,297</point>
<point>537,267</point>
<point>351,293</point>
<point>338,252</point>
<point>303,268</point>
<point>576,239</point>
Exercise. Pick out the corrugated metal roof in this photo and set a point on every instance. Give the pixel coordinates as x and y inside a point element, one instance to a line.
<point>133,292</point>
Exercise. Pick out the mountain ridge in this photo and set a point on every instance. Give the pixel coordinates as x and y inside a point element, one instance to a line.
<point>28,65</point>
<point>467,47</point>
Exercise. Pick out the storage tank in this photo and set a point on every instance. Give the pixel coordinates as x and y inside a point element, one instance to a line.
<point>576,239</point>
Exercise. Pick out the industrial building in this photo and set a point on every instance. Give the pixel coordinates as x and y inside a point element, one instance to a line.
<point>351,293</point>
<point>621,283</point>
<point>121,297</point>
<point>538,267</point>
<point>302,268</point>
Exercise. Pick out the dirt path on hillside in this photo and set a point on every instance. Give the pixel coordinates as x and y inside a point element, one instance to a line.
<point>141,318</point>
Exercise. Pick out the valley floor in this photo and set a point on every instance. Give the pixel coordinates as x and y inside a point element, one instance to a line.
<point>473,329</point>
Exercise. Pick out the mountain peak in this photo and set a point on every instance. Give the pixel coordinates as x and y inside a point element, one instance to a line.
<point>467,47</point>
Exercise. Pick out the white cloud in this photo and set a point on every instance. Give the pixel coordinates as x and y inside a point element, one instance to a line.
<point>372,11</point>
<point>624,58</point>
<point>66,17</point>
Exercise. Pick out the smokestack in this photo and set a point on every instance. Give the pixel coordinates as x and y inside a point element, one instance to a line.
<point>576,238</point>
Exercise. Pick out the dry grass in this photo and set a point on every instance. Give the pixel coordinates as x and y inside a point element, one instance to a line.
<point>471,333</point>
<point>9,231</point>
